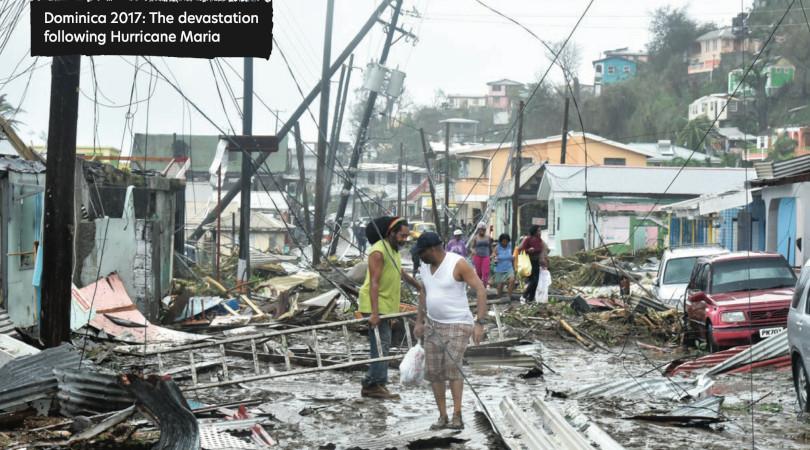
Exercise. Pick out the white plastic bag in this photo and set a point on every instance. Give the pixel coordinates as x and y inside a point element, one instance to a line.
<point>543,283</point>
<point>412,367</point>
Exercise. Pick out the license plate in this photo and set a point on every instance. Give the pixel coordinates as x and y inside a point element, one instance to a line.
<point>768,332</point>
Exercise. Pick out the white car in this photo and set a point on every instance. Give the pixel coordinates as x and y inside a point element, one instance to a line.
<point>675,269</point>
<point>798,330</point>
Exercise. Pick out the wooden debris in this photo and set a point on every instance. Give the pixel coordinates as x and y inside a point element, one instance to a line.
<point>252,305</point>
<point>573,332</point>
<point>215,285</point>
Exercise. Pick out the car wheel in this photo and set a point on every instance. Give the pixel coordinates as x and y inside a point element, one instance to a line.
<point>801,383</point>
<point>710,342</point>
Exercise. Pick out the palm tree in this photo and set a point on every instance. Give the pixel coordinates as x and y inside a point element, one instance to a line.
<point>7,111</point>
<point>691,132</point>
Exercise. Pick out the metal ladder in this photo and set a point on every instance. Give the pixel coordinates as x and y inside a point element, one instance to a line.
<point>190,352</point>
<point>196,362</point>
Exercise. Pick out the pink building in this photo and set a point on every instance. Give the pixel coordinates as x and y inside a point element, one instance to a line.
<point>498,93</point>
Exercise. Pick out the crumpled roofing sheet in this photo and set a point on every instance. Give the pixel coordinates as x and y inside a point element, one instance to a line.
<point>110,298</point>
<point>665,387</point>
<point>770,348</point>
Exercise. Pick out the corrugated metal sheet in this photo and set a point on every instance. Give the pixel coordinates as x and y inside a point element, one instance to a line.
<point>671,388</point>
<point>708,407</point>
<point>31,378</point>
<point>705,361</point>
<point>89,390</point>
<point>521,431</point>
<point>599,439</point>
<point>165,402</point>
<point>770,348</point>
<point>700,412</point>
<point>543,427</point>
<point>792,166</point>
<point>6,326</point>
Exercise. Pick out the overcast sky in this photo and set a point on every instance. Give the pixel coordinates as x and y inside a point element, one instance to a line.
<point>461,47</point>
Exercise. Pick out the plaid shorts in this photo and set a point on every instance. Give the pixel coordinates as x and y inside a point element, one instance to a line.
<point>440,364</point>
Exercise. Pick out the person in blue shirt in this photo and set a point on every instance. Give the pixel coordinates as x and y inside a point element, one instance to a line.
<point>504,265</point>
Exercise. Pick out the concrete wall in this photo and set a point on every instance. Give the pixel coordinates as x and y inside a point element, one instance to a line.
<point>794,225</point>
<point>139,250</point>
<point>570,221</point>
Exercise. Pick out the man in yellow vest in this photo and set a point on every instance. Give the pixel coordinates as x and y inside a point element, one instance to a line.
<point>380,295</point>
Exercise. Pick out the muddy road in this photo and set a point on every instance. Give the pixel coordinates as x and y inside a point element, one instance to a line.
<point>326,411</point>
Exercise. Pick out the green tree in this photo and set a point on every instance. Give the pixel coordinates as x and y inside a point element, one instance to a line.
<point>783,148</point>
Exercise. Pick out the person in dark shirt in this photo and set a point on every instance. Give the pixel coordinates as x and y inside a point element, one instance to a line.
<point>534,246</point>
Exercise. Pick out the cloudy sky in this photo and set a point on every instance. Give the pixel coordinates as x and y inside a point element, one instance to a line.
<point>461,46</point>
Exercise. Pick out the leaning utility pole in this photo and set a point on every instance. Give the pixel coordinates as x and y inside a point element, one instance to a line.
<point>57,249</point>
<point>302,108</point>
<point>323,124</point>
<point>340,108</point>
<point>430,178</point>
<point>351,173</point>
<point>302,180</point>
<point>447,180</point>
<point>243,265</point>
<point>516,175</point>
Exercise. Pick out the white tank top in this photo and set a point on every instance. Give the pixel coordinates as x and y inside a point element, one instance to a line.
<point>446,298</point>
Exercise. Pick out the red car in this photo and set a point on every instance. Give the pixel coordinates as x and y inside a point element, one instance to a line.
<point>739,298</point>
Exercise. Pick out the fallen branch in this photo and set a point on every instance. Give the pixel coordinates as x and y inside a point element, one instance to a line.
<point>573,332</point>
<point>214,284</point>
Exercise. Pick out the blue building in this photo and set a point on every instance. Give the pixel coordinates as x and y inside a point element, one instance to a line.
<point>616,65</point>
<point>735,219</point>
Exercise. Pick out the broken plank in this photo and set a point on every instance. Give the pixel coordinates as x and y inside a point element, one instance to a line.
<point>252,305</point>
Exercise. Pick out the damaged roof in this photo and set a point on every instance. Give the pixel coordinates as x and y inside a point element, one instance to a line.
<point>11,164</point>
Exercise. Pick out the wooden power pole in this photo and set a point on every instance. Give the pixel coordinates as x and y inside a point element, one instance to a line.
<point>323,123</point>
<point>430,178</point>
<point>362,133</point>
<point>516,175</point>
<point>243,264</point>
<point>399,183</point>
<point>57,250</point>
<point>447,180</point>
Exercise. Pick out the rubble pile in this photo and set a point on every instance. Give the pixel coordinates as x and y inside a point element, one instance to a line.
<point>128,382</point>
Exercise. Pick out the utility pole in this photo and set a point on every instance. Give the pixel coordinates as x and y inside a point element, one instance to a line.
<point>302,108</point>
<point>57,250</point>
<point>323,124</point>
<point>340,107</point>
<point>302,180</point>
<point>399,182</point>
<point>516,175</point>
<point>430,178</point>
<point>243,265</point>
<point>405,195</point>
<point>565,131</point>
<point>351,174</point>
<point>446,180</point>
